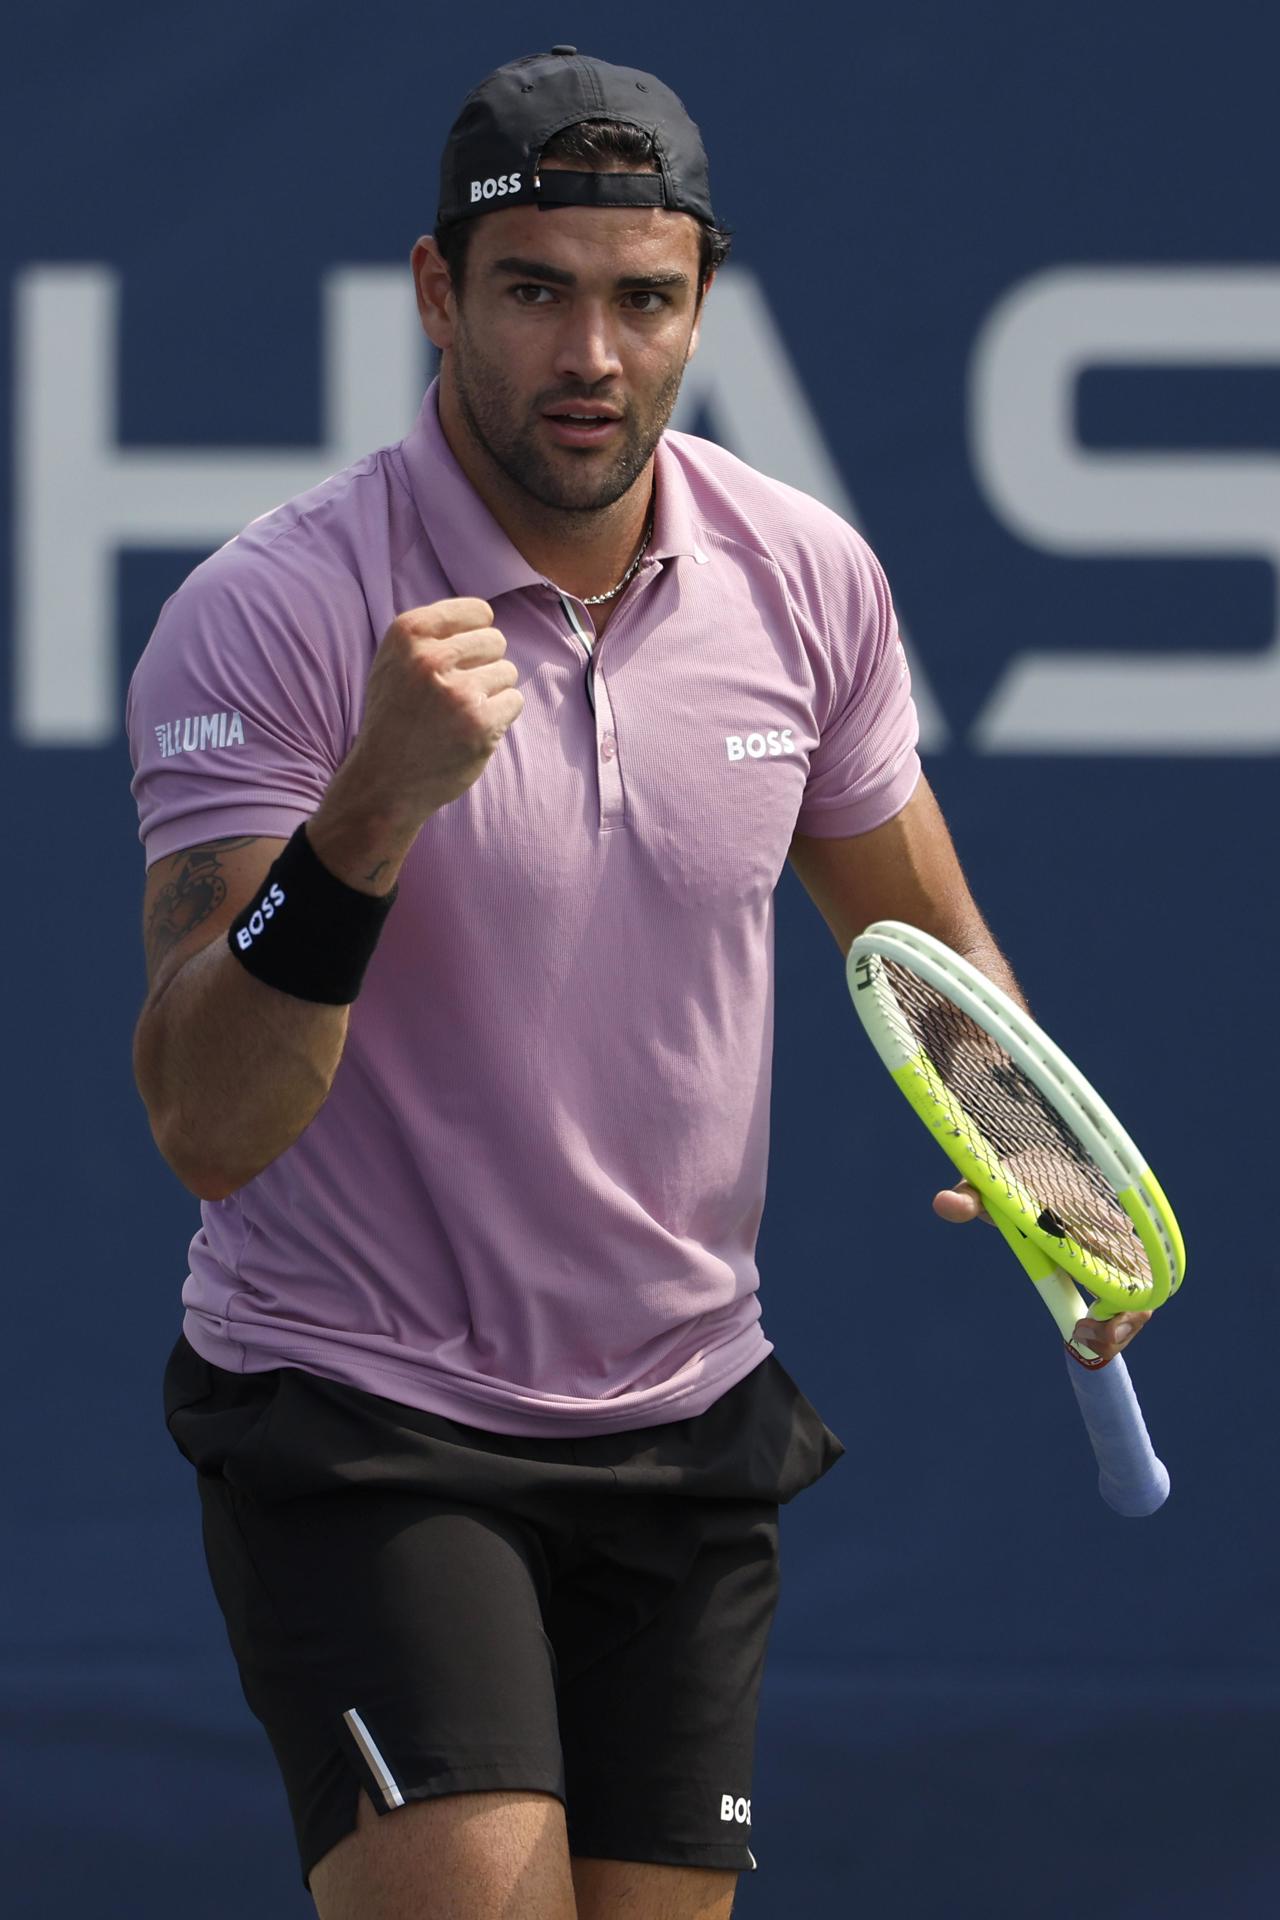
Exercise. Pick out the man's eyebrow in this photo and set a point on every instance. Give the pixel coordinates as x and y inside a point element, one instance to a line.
<point>633,281</point>
<point>557,277</point>
<point>535,270</point>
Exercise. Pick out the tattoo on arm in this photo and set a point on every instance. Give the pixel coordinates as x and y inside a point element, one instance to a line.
<point>194,889</point>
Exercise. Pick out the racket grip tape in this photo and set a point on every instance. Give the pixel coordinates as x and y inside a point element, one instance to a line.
<point>1131,1479</point>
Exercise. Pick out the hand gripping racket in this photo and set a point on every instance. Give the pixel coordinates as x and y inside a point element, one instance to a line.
<point>1057,1173</point>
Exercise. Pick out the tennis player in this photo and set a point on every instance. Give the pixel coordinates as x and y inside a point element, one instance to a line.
<point>465,782</point>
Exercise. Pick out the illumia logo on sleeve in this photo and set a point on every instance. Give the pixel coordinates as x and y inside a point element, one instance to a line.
<point>200,730</point>
<point>760,746</point>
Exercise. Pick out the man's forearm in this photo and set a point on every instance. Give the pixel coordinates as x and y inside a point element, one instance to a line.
<point>231,1071</point>
<point>978,947</point>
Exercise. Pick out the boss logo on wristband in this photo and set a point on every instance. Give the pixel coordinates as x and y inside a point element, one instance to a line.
<point>321,947</point>
<point>247,934</point>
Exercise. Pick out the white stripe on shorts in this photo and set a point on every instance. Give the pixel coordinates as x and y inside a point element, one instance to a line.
<point>377,1765</point>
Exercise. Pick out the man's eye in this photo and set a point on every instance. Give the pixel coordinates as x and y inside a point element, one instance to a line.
<point>646,300</point>
<point>528,294</point>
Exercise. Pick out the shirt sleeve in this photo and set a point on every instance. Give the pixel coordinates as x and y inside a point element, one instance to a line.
<point>865,766</point>
<point>241,708</point>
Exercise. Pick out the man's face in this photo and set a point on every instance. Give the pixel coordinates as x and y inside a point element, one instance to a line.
<point>568,344</point>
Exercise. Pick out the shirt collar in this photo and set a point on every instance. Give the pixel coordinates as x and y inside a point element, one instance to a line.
<point>674,533</point>
<point>475,554</point>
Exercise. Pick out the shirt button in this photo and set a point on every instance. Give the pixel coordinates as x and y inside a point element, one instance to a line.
<point>608,746</point>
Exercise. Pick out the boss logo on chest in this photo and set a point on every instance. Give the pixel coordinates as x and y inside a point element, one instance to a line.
<point>760,746</point>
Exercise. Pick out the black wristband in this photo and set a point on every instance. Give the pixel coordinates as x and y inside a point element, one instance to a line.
<point>307,932</point>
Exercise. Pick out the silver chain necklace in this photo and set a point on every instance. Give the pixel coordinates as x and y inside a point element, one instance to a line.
<point>598,599</point>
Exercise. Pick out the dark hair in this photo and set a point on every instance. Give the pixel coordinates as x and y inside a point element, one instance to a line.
<point>591,145</point>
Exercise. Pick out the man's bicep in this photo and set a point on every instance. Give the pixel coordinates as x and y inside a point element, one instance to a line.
<point>906,869</point>
<point>193,896</point>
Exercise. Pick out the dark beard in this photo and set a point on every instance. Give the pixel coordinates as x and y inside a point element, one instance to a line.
<point>489,405</point>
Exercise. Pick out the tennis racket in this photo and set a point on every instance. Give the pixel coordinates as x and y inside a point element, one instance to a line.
<point>1057,1173</point>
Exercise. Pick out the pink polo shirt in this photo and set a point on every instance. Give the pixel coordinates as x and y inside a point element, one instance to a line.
<point>531,1199</point>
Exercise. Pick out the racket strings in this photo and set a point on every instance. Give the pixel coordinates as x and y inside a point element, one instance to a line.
<point>1022,1136</point>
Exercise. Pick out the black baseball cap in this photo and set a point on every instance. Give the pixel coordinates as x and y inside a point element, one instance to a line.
<point>491,156</point>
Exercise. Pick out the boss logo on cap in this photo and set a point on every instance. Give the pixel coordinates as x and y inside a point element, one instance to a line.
<point>495,188</point>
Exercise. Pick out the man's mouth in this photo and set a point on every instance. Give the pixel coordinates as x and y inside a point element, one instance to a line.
<point>582,426</point>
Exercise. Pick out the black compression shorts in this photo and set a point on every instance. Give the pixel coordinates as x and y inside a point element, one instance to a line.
<point>420,1608</point>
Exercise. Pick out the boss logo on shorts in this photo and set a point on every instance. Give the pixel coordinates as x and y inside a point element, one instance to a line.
<point>266,910</point>
<point>760,746</point>
<point>495,188</point>
<point>739,1810</point>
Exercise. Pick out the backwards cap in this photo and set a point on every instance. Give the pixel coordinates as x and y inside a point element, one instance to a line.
<point>491,156</point>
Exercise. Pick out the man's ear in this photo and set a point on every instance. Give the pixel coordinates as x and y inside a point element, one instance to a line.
<point>433,285</point>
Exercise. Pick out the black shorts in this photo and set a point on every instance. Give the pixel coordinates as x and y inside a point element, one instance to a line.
<point>421,1608</point>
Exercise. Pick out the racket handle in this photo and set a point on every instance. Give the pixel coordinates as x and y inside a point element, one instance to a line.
<point>1130,1478</point>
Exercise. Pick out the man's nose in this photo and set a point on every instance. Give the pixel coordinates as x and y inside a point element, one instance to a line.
<point>587,349</point>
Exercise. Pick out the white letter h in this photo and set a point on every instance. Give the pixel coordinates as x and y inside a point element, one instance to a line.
<point>81,496</point>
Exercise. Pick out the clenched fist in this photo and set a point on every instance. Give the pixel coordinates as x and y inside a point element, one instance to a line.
<point>440,696</point>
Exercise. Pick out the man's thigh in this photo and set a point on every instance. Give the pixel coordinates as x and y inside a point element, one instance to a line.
<point>474,1856</point>
<point>389,1644</point>
<point>607,1889</point>
<point>469,1856</point>
<point>661,1644</point>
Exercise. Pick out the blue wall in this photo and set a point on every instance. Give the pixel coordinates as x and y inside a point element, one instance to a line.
<point>988,1696</point>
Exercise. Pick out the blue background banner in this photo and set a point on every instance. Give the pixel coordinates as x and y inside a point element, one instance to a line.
<point>1005,291</point>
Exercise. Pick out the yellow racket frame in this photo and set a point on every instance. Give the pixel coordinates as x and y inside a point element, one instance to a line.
<point>1053,1261</point>
<point>1009,1203</point>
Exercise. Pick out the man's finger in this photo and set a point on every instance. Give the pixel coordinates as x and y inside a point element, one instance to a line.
<point>959,1203</point>
<point>445,617</point>
<point>1107,1338</point>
